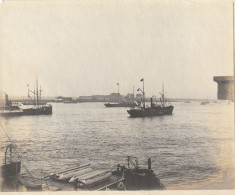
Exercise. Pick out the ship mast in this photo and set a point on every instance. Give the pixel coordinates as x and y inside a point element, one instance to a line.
<point>163,96</point>
<point>143,92</point>
<point>36,96</point>
<point>118,93</point>
<point>40,93</point>
<point>133,94</point>
<point>37,91</point>
<point>34,99</point>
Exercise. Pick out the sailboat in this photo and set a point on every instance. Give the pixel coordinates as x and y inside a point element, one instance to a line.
<point>164,108</point>
<point>37,109</point>
<point>32,108</point>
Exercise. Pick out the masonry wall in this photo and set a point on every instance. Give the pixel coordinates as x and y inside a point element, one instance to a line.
<point>225,87</point>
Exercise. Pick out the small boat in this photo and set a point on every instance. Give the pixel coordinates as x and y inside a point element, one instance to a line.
<point>93,173</point>
<point>78,175</point>
<point>12,168</point>
<point>126,103</point>
<point>30,183</point>
<point>137,178</point>
<point>94,180</point>
<point>68,176</point>
<point>30,103</point>
<point>70,102</point>
<point>205,102</point>
<point>63,175</point>
<point>122,104</point>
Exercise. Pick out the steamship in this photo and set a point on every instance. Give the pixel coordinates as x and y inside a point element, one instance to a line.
<point>164,108</point>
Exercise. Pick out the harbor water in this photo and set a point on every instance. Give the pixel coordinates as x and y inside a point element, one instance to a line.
<point>194,145</point>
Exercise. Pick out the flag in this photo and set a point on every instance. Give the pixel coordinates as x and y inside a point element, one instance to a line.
<point>142,79</point>
<point>117,84</point>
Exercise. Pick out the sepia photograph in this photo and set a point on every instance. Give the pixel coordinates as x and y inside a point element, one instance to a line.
<point>105,95</point>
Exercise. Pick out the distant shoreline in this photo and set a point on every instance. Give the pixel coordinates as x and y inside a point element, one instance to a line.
<point>147,99</point>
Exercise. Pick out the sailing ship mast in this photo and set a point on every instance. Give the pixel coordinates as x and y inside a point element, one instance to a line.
<point>37,91</point>
<point>36,94</point>
<point>133,94</point>
<point>118,93</point>
<point>163,95</point>
<point>40,93</point>
<point>142,80</point>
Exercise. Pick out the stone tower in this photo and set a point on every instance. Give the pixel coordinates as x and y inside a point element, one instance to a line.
<point>225,87</point>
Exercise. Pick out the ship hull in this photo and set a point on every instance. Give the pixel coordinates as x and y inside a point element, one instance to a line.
<point>44,110</point>
<point>10,170</point>
<point>8,113</point>
<point>70,102</point>
<point>149,112</point>
<point>119,105</point>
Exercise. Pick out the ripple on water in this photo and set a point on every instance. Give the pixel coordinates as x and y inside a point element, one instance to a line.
<point>192,145</point>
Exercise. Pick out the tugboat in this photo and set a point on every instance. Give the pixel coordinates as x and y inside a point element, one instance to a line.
<point>123,103</point>
<point>136,178</point>
<point>154,109</point>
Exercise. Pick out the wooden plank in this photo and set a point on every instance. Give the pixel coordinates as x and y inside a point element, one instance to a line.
<point>82,172</point>
<point>75,173</point>
<point>97,179</point>
<point>92,174</point>
<point>68,170</point>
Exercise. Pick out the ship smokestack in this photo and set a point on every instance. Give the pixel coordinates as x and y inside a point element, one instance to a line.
<point>6,100</point>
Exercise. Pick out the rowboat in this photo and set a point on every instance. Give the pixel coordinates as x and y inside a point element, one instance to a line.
<point>94,180</point>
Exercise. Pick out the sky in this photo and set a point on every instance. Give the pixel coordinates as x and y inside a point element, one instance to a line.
<point>86,47</point>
